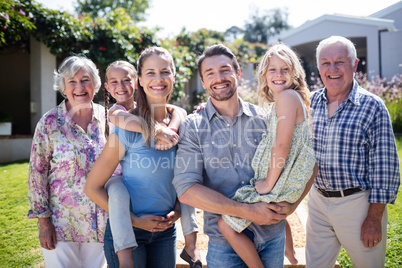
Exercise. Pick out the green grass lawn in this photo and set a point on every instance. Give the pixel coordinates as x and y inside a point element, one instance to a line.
<point>19,243</point>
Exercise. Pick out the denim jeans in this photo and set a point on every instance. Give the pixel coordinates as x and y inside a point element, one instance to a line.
<point>154,250</point>
<point>119,214</point>
<point>272,253</point>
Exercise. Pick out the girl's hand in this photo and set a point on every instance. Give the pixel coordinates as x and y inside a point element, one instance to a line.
<point>163,145</point>
<point>262,187</point>
<point>149,223</point>
<point>200,107</point>
<point>167,138</point>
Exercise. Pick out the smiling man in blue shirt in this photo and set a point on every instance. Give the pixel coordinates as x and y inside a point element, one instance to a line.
<point>213,160</point>
<point>357,161</point>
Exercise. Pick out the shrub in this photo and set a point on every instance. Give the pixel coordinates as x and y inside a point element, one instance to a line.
<point>389,91</point>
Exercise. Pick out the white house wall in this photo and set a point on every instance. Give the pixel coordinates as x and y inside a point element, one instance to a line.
<point>391,54</point>
<point>43,97</point>
<point>328,28</point>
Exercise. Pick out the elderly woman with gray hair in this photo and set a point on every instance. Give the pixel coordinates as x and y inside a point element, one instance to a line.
<point>67,141</point>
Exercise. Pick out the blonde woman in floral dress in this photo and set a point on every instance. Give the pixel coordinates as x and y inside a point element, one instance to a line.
<point>67,141</point>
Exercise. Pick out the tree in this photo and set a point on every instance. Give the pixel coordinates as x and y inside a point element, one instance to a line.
<point>260,28</point>
<point>97,8</point>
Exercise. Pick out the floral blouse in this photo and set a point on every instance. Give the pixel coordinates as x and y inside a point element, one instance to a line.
<point>62,156</point>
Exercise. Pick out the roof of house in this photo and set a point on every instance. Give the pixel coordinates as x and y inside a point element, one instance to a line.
<point>388,10</point>
<point>357,20</point>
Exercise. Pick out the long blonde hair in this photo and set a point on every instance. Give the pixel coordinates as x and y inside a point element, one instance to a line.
<point>299,83</point>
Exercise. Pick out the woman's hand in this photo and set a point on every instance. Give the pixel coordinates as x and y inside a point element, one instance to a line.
<point>47,234</point>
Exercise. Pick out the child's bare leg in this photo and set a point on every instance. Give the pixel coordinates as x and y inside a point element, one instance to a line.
<point>125,259</point>
<point>241,244</point>
<point>190,246</point>
<point>290,252</point>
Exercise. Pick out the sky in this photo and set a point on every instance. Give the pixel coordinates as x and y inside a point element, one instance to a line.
<point>219,15</point>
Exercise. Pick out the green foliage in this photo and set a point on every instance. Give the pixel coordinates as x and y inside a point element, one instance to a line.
<point>98,8</point>
<point>19,242</point>
<point>16,23</point>
<point>390,92</point>
<point>185,50</point>
<point>115,35</point>
<point>189,46</point>
<point>248,52</point>
<point>344,260</point>
<point>102,39</point>
<point>395,110</point>
<point>59,31</point>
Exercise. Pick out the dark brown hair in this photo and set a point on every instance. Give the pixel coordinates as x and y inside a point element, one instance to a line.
<point>217,50</point>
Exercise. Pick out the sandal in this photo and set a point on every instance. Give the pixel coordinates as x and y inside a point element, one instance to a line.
<point>184,255</point>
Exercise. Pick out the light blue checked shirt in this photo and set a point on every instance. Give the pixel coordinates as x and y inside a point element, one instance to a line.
<point>355,147</point>
<point>217,153</point>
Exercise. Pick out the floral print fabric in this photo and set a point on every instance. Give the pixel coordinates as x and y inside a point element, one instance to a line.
<point>296,172</point>
<point>62,156</point>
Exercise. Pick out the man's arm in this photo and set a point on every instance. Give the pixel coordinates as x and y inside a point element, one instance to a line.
<point>207,199</point>
<point>383,191</point>
<point>188,181</point>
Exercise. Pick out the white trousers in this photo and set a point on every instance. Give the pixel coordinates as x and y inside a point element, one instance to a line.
<point>335,222</point>
<point>75,255</point>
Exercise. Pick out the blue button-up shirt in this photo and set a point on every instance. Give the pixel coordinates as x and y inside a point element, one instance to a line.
<point>355,147</point>
<point>216,152</point>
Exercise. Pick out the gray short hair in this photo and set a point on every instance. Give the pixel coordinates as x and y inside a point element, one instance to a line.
<point>337,39</point>
<point>70,66</point>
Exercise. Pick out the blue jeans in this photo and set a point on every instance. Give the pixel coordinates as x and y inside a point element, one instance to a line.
<point>154,249</point>
<point>272,253</point>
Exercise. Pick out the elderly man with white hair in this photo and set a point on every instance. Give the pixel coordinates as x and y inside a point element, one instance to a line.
<point>357,161</point>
